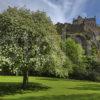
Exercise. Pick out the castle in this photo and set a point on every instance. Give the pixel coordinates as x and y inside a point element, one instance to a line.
<point>82,25</point>
<point>87,23</point>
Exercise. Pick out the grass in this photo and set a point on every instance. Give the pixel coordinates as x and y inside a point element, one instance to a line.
<point>41,88</point>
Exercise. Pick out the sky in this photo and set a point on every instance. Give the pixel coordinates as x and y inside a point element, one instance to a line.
<point>58,10</point>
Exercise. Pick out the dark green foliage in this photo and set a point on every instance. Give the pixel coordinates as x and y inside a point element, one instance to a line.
<point>93,69</point>
<point>59,28</point>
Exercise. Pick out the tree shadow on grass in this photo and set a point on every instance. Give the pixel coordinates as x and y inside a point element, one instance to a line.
<point>63,97</point>
<point>93,87</point>
<point>8,88</point>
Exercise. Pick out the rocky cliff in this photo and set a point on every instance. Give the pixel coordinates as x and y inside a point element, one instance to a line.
<point>89,38</point>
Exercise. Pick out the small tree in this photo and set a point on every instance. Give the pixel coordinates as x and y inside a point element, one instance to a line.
<point>73,50</point>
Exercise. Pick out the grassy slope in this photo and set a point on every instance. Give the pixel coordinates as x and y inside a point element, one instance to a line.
<point>59,89</point>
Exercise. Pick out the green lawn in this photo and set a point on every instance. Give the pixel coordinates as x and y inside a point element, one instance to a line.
<point>48,89</point>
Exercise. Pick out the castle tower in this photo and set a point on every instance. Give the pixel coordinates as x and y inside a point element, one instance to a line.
<point>78,21</point>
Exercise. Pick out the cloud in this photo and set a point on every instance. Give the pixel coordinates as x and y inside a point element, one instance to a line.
<point>78,9</point>
<point>58,10</point>
<point>65,10</point>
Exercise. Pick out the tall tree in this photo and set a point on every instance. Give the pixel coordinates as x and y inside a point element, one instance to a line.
<point>29,39</point>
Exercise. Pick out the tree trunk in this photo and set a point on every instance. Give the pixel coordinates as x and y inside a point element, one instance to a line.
<point>25,79</point>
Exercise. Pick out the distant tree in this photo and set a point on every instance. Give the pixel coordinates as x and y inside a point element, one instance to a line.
<point>75,53</point>
<point>59,27</point>
<point>73,50</point>
<point>93,68</point>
